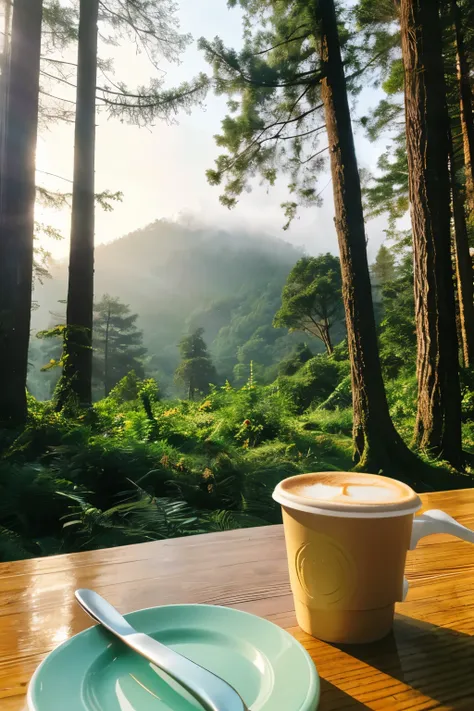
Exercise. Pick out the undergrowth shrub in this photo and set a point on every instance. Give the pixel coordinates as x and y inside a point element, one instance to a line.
<point>136,468</point>
<point>330,421</point>
<point>251,415</point>
<point>312,383</point>
<point>467,393</point>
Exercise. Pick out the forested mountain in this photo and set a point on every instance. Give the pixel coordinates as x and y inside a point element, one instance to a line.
<point>179,278</point>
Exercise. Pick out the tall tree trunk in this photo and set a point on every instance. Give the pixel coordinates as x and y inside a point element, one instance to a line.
<point>463,266</point>
<point>377,445</point>
<point>4,68</point>
<point>106,355</point>
<point>438,422</point>
<point>17,200</point>
<point>465,101</point>
<point>78,361</point>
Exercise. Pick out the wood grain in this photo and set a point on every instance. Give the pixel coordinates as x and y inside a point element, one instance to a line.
<point>428,662</point>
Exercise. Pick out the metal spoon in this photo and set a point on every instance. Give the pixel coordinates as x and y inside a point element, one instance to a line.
<point>212,692</point>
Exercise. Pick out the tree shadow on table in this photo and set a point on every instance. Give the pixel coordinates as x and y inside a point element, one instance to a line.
<point>436,661</point>
<point>334,698</point>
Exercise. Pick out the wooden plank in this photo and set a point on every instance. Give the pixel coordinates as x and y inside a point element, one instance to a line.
<point>428,663</point>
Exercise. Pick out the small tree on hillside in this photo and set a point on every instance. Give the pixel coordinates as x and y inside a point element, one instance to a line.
<point>196,370</point>
<point>383,269</point>
<point>118,347</point>
<point>312,298</point>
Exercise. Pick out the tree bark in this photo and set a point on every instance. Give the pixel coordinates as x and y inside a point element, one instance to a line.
<point>327,338</point>
<point>17,199</point>
<point>438,422</point>
<point>77,377</point>
<point>463,265</point>
<point>4,67</point>
<point>465,103</point>
<point>321,330</point>
<point>377,445</point>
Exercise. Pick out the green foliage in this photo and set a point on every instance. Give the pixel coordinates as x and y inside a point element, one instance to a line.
<point>275,120</point>
<point>334,421</point>
<point>312,384</point>
<point>117,343</point>
<point>126,389</point>
<point>292,364</point>
<point>312,298</point>
<point>152,27</point>
<point>142,517</point>
<point>139,468</point>
<point>275,117</point>
<point>196,371</point>
<point>388,190</point>
<point>77,480</point>
<point>383,269</point>
<point>341,397</point>
<point>402,396</point>
<point>398,334</point>
<point>61,22</point>
<point>466,377</point>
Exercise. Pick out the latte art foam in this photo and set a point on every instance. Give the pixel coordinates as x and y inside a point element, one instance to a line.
<point>346,491</point>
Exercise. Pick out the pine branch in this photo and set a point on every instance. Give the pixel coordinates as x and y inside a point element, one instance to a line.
<point>302,135</point>
<point>300,117</point>
<point>58,98</point>
<point>57,61</point>
<point>284,42</point>
<point>308,160</point>
<point>158,104</point>
<point>45,172</point>
<point>203,44</point>
<point>374,59</point>
<point>56,78</point>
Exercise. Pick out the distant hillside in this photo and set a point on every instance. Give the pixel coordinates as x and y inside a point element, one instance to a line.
<point>176,278</point>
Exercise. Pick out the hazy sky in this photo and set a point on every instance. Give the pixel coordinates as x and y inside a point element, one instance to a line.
<point>161,169</point>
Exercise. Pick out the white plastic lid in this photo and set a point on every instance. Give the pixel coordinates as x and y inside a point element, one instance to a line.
<point>347,494</point>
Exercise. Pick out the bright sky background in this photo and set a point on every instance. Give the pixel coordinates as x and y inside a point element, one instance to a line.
<point>161,169</point>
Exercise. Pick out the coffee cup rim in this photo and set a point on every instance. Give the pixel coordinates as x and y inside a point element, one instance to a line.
<point>409,504</point>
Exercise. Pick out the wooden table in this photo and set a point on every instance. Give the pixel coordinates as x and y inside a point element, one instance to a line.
<point>428,663</point>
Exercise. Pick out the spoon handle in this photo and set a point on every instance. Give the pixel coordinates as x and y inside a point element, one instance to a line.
<point>212,692</point>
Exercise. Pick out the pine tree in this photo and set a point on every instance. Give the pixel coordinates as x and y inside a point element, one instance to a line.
<point>196,370</point>
<point>312,298</point>
<point>377,444</point>
<point>17,198</point>
<point>461,166</point>
<point>117,344</point>
<point>151,23</point>
<point>465,102</point>
<point>152,27</point>
<point>77,372</point>
<point>5,20</point>
<point>438,423</point>
<point>383,269</point>
<point>463,264</point>
<point>388,192</point>
<point>285,76</point>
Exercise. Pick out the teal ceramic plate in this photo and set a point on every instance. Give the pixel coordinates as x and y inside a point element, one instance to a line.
<point>94,672</point>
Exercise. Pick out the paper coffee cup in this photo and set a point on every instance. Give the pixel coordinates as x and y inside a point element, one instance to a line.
<point>347,536</point>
